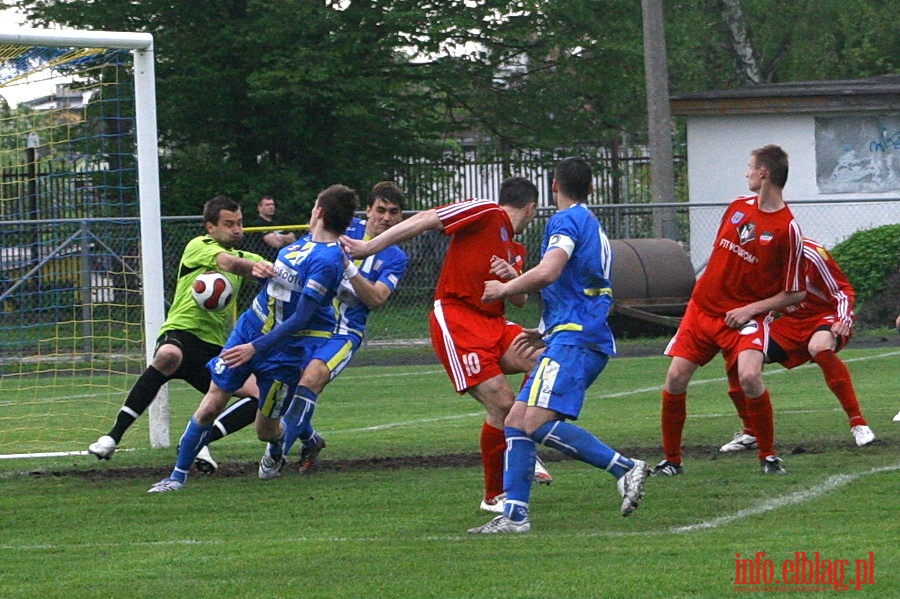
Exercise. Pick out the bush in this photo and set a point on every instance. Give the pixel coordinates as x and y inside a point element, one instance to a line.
<point>871,260</point>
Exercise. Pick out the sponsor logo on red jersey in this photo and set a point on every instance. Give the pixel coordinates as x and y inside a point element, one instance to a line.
<point>746,233</point>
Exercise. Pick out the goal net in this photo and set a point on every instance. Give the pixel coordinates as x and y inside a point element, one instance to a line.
<point>81,282</point>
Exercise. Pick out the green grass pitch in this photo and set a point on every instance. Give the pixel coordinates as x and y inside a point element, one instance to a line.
<point>386,516</point>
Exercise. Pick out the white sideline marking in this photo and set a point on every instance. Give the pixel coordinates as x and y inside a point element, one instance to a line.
<point>621,394</point>
<point>350,375</point>
<point>765,373</point>
<point>105,394</point>
<point>832,483</point>
<point>392,375</point>
<point>51,454</point>
<point>389,425</point>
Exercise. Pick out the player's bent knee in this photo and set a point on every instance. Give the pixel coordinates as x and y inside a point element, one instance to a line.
<point>676,383</point>
<point>167,359</point>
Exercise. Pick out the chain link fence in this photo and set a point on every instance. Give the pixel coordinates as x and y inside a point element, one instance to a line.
<point>82,268</point>
<point>404,317</point>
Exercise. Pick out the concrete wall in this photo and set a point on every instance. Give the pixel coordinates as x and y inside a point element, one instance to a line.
<point>718,152</point>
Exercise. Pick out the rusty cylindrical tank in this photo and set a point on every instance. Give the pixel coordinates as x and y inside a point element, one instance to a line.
<point>652,279</point>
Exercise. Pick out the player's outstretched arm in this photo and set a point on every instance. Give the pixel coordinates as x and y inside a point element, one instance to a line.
<point>243,266</point>
<point>243,353</point>
<point>407,229</point>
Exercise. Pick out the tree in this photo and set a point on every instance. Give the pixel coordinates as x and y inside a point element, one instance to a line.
<point>539,74</point>
<point>777,41</point>
<point>284,97</point>
<point>662,165</point>
<point>741,42</point>
<point>287,97</point>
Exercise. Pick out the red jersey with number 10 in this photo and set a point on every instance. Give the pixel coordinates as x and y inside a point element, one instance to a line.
<point>755,256</point>
<point>478,230</point>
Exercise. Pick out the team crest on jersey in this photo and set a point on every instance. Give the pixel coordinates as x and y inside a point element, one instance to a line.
<point>737,217</point>
<point>297,254</point>
<point>746,233</point>
<point>766,237</point>
<point>504,234</point>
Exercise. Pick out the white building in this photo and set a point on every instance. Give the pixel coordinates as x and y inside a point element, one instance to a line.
<point>843,142</point>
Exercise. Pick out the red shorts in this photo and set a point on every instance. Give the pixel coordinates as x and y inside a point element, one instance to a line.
<point>469,343</point>
<point>792,335</point>
<point>701,336</point>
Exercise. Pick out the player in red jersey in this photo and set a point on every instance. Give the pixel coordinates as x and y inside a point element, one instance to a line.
<point>754,268</point>
<point>813,331</point>
<point>473,340</point>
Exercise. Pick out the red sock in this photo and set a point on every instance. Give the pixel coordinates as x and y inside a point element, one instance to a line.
<point>493,445</point>
<point>674,413</point>
<point>740,404</point>
<point>837,377</point>
<point>762,421</point>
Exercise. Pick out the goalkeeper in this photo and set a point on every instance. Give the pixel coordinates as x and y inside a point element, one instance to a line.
<point>192,335</point>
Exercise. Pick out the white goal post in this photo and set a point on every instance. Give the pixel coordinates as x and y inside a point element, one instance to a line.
<point>140,45</point>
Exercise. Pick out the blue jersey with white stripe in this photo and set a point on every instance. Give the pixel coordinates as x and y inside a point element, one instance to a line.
<point>302,268</point>
<point>577,303</point>
<point>387,266</point>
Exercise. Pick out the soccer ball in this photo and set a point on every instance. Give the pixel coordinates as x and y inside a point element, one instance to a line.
<point>212,291</point>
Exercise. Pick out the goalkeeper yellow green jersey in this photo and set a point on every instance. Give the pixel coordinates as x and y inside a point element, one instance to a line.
<point>185,315</point>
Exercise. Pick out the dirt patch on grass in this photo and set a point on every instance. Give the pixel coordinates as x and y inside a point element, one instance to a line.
<point>458,460</point>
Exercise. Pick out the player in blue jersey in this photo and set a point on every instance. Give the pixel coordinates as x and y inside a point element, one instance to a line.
<point>275,338</point>
<point>573,277</point>
<point>367,284</point>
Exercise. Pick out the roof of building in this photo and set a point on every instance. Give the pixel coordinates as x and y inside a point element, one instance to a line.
<point>873,94</point>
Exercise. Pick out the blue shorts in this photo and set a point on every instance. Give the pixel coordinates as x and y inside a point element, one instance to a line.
<point>277,374</point>
<point>561,378</point>
<point>337,353</point>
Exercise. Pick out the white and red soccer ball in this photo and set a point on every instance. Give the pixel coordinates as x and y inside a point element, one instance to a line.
<point>212,291</point>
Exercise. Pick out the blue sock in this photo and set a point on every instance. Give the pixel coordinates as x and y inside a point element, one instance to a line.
<point>192,440</point>
<point>576,442</point>
<point>298,417</point>
<point>518,473</point>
